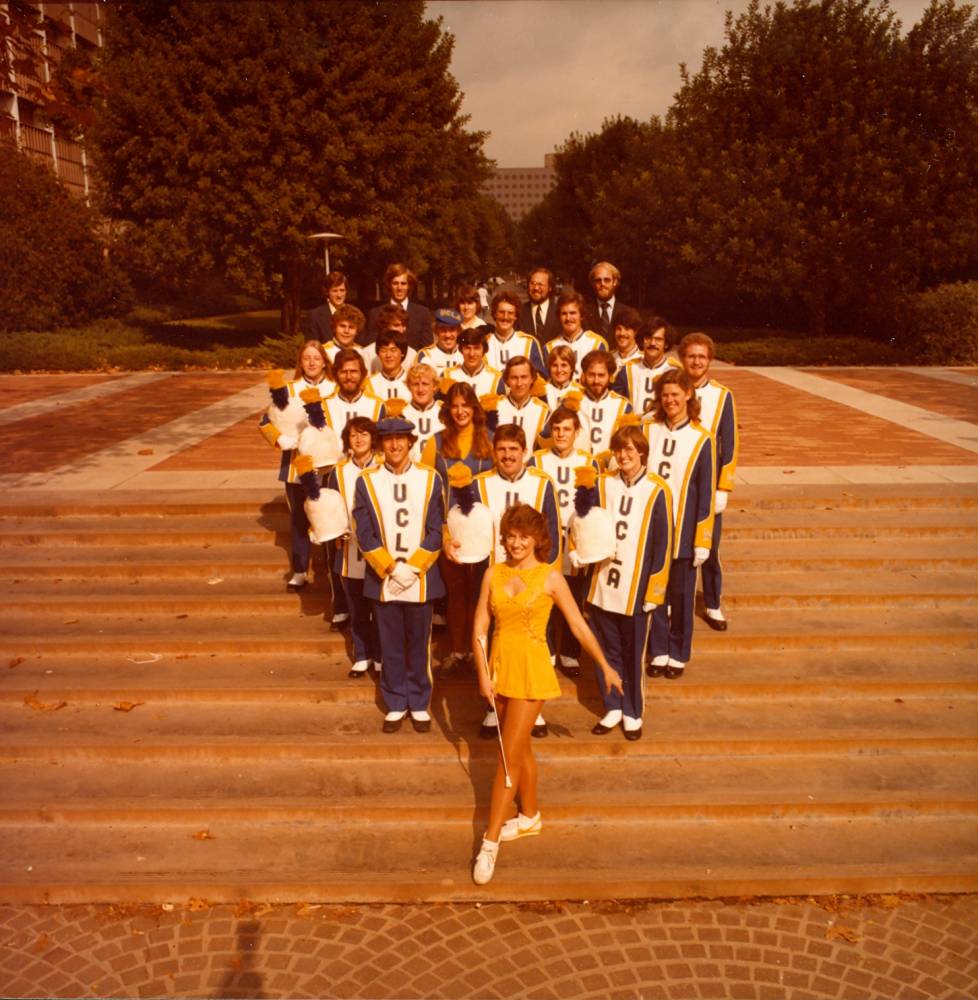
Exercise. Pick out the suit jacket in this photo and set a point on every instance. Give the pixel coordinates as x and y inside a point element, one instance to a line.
<point>551,326</point>
<point>418,326</point>
<point>592,319</point>
<point>319,324</point>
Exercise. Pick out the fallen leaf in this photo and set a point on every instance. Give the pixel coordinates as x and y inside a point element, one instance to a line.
<point>203,835</point>
<point>145,451</point>
<point>195,905</point>
<point>845,933</point>
<point>127,706</point>
<point>70,621</point>
<point>183,616</point>
<point>31,701</point>
<point>215,579</point>
<point>153,658</point>
<point>306,909</point>
<point>16,661</point>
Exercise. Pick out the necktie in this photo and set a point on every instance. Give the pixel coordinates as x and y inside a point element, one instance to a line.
<point>539,322</point>
<point>605,318</point>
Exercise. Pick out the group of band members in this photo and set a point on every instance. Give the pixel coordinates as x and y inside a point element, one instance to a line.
<point>426,403</point>
<point>555,475</point>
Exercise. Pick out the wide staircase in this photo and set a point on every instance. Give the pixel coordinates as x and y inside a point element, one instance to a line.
<point>176,725</point>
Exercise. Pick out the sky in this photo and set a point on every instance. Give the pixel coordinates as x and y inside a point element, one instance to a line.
<point>533,71</point>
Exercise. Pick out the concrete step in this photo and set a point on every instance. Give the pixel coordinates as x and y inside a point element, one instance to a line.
<point>227,782</point>
<point>354,726</point>
<point>285,677</point>
<point>326,860</point>
<point>263,528</point>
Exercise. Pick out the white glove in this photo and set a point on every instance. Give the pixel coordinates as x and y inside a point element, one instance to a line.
<point>647,607</point>
<point>720,503</point>
<point>699,557</point>
<point>574,559</point>
<point>402,576</point>
<point>286,442</point>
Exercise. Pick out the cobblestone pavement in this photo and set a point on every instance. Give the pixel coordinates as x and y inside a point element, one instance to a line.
<point>893,947</point>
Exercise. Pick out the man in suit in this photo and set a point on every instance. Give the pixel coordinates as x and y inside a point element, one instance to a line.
<point>539,315</point>
<point>319,323</point>
<point>403,286</point>
<point>603,311</point>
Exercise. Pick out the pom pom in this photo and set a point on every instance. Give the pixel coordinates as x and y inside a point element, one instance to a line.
<point>307,476</point>
<point>459,475</point>
<point>313,403</point>
<point>490,402</point>
<point>572,400</point>
<point>539,387</point>
<point>445,384</point>
<point>328,516</point>
<point>586,476</point>
<point>628,420</point>
<point>395,407</point>
<point>279,388</point>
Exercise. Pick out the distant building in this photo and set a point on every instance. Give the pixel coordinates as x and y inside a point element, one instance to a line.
<point>518,189</point>
<point>61,26</point>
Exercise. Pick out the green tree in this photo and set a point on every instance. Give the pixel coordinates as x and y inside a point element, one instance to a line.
<point>229,132</point>
<point>54,270</point>
<point>829,157</point>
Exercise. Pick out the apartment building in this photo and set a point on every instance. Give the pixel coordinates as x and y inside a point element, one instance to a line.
<point>518,189</point>
<point>44,32</point>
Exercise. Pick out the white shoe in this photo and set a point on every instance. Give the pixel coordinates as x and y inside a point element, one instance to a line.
<point>298,580</point>
<point>360,667</point>
<point>421,716</point>
<point>490,721</point>
<point>394,716</point>
<point>541,721</point>
<point>569,661</point>
<point>377,665</point>
<point>485,863</point>
<point>630,725</point>
<point>521,826</point>
<point>716,614</point>
<point>437,619</point>
<point>660,661</point>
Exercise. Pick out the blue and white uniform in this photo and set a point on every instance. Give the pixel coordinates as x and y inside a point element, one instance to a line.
<point>399,518</point>
<point>585,342</point>
<point>718,415</point>
<point>531,486</point>
<point>531,415</point>
<point>636,576</point>
<point>601,416</point>
<point>516,345</point>
<point>426,425</point>
<point>439,359</point>
<point>485,381</point>
<point>385,387</point>
<point>340,411</point>
<point>683,457</point>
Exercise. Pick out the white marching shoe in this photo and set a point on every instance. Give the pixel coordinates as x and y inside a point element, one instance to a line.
<point>521,826</point>
<point>485,863</point>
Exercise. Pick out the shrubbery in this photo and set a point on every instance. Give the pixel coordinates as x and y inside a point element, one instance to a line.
<point>943,324</point>
<point>53,271</point>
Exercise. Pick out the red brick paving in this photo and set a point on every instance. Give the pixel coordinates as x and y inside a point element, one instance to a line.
<point>16,389</point>
<point>947,398</point>
<point>62,436</point>
<point>870,948</point>
<point>782,426</point>
<point>237,447</point>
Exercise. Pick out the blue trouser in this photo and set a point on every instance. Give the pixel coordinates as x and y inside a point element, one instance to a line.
<point>623,639</point>
<point>405,643</point>
<point>295,496</point>
<point>363,627</point>
<point>712,570</point>
<point>569,646</point>
<point>672,622</point>
<point>340,604</point>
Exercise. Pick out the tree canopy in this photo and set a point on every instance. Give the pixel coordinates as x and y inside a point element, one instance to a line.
<point>231,131</point>
<point>819,155</point>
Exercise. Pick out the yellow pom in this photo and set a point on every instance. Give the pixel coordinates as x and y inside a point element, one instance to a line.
<point>445,384</point>
<point>459,475</point>
<point>539,387</point>
<point>303,464</point>
<point>572,400</point>
<point>628,420</point>
<point>395,407</point>
<point>489,402</point>
<point>276,379</point>
<point>270,433</point>
<point>586,476</point>
<point>310,395</point>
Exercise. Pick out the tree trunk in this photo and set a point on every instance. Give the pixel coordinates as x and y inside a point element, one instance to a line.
<point>291,297</point>
<point>817,306</point>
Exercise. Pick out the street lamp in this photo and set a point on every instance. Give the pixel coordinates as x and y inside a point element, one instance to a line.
<point>326,237</point>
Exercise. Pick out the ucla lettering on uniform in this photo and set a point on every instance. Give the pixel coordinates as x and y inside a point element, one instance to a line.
<point>563,498</point>
<point>512,498</point>
<point>664,469</point>
<point>669,447</point>
<point>625,506</point>
<point>563,474</point>
<point>518,419</point>
<point>400,492</point>
<point>401,517</point>
<point>621,529</point>
<point>424,425</point>
<point>399,545</point>
<point>613,579</point>
<point>649,385</point>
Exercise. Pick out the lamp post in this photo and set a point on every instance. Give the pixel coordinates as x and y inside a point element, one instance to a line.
<point>326,237</point>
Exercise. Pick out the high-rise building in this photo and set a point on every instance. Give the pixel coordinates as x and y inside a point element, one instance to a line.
<point>518,189</point>
<point>34,52</point>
